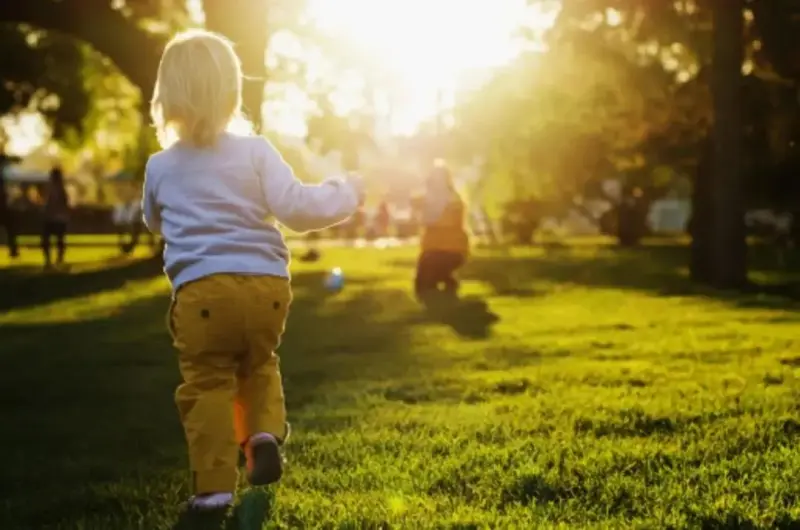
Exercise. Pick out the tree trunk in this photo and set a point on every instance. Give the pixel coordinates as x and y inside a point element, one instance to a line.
<point>728,242</point>
<point>700,224</point>
<point>245,23</point>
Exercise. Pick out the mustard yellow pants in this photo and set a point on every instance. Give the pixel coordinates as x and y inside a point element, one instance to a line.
<point>226,329</point>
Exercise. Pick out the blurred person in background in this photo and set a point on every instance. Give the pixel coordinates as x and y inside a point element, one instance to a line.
<point>445,242</point>
<point>56,216</point>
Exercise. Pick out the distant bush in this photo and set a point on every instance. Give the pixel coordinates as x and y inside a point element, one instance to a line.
<point>521,220</point>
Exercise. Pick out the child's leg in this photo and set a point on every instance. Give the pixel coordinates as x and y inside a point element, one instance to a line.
<point>208,331</point>
<point>260,408</point>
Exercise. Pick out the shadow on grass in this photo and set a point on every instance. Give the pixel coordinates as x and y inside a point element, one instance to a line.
<point>23,287</point>
<point>103,389</point>
<point>251,512</point>
<point>91,434</point>
<point>341,336</point>
<point>95,397</point>
<point>469,317</point>
<point>656,269</point>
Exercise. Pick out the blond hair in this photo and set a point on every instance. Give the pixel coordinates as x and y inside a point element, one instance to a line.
<point>198,91</point>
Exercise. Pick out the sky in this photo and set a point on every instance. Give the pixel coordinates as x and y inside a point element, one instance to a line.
<point>429,47</point>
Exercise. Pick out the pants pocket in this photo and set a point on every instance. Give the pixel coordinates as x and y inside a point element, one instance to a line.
<point>269,303</point>
<point>207,317</point>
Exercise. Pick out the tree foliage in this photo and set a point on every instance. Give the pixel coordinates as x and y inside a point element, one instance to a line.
<point>42,71</point>
<point>595,105</point>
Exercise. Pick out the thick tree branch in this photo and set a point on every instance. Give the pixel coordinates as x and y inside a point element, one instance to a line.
<point>134,51</point>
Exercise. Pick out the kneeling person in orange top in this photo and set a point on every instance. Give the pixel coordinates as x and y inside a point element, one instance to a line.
<point>445,242</point>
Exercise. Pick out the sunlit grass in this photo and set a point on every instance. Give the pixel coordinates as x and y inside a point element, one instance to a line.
<point>608,394</point>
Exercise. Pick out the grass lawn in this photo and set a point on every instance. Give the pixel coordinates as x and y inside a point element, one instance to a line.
<point>575,387</point>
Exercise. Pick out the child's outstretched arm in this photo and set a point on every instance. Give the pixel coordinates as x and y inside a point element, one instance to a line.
<point>150,213</point>
<point>303,207</point>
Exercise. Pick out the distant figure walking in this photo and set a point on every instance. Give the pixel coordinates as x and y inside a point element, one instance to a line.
<point>129,224</point>
<point>56,216</point>
<point>124,217</point>
<point>383,219</point>
<point>445,243</point>
<point>7,214</point>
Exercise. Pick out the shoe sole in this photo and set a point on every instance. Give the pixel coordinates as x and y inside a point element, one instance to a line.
<point>192,508</point>
<point>267,464</point>
<point>200,509</point>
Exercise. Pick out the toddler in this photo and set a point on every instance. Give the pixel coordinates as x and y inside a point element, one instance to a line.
<point>214,196</point>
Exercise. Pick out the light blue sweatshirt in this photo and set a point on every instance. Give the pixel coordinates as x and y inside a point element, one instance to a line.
<point>216,207</point>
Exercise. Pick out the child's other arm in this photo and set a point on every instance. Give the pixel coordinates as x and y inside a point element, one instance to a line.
<point>150,213</point>
<point>303,207</point>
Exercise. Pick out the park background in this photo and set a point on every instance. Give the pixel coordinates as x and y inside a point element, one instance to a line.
<point>625,349</point>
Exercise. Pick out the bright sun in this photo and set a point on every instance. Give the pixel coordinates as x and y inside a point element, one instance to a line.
<point>429,47</point>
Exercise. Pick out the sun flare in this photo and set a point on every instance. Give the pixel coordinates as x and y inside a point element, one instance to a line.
<point>431,47</point>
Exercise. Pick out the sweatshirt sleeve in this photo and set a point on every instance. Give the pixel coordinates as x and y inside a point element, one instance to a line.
<point>302,207</point>
<point>150,211</point>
